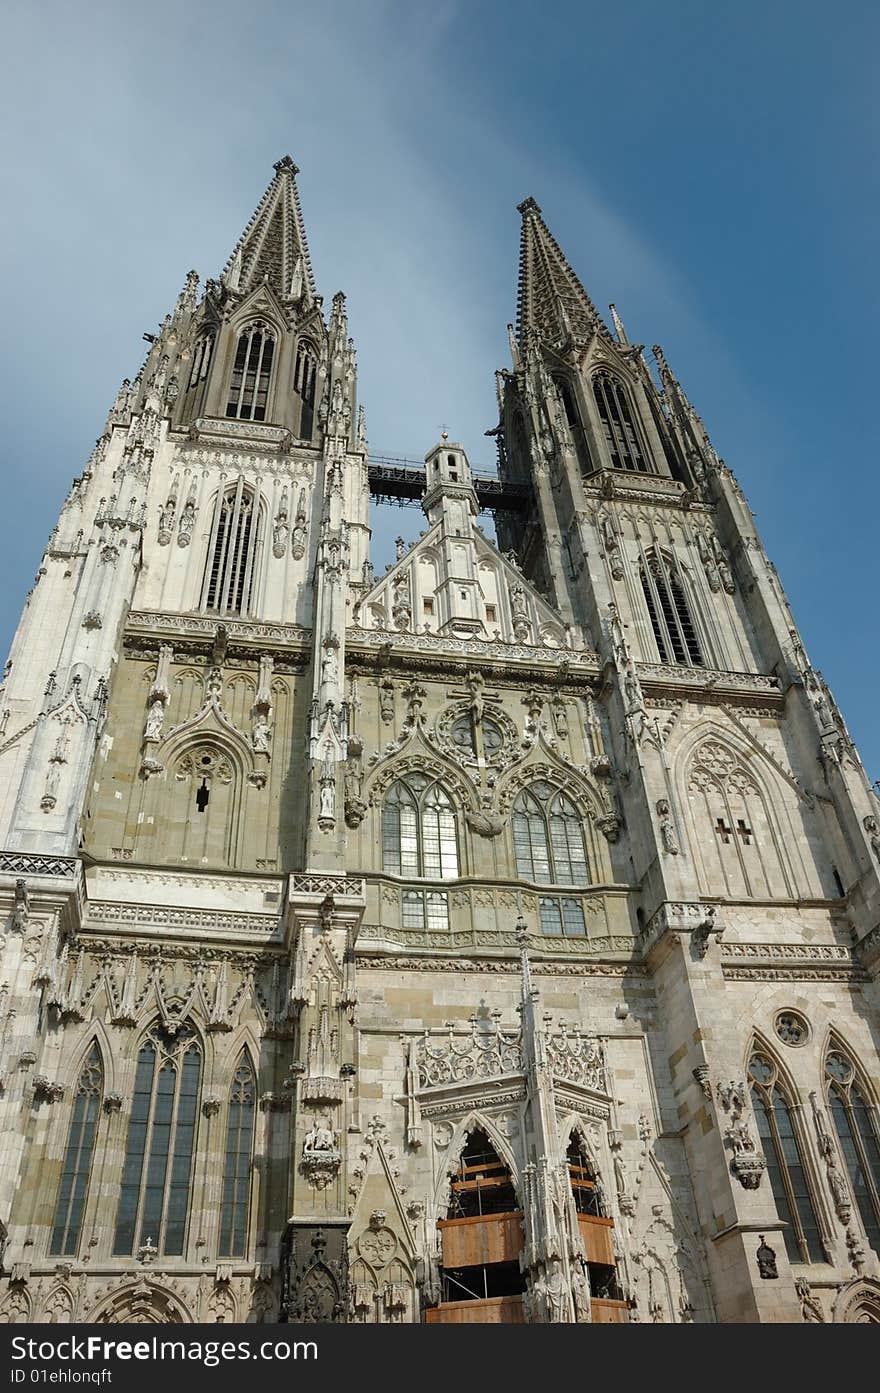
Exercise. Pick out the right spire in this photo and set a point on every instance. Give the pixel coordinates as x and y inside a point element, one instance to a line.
<point>550,297</point>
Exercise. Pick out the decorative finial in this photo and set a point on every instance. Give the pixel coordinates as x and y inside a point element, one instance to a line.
<point>528,205</point>
<point>285,163</point>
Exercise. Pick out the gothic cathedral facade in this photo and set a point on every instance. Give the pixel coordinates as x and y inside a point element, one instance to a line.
<point>495,940</point>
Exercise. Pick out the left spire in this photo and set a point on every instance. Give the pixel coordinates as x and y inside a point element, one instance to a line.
<point>273,247</point>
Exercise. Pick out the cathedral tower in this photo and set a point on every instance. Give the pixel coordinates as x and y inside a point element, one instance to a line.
<point>493,940</point>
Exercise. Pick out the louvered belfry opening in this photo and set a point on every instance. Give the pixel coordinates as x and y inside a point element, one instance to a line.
<point>233,555</point>
<point>251,373</point>
<point>618,424</point>
<point>668,610</point>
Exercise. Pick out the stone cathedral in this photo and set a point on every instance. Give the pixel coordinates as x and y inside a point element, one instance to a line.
<point>491,940</point>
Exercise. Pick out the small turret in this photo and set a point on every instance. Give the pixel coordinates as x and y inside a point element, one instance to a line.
<point>449,487</point>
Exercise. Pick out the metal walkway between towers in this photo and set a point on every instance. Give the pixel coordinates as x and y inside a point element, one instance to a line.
<point>402,481</point>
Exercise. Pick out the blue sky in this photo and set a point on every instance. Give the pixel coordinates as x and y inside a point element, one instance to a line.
<point>713,172</point>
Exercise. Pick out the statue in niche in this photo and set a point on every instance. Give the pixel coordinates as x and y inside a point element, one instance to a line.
<point>667,827</point>
<point>766,1261</point>
<point>327,795</point>
<point>873,830</point>
<point>319,1138</point>
<point>155,718</point>
<point>279,532</point>
<point>261,733</point>
<point>330,664</point>
<point>187,523</point>
<point>520,613</point>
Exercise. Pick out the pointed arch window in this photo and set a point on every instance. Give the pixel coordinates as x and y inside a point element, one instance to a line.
<point>582,1177</point>
<point>78,1157</point>
<point>616,416</point>
<point>251,371</point>
<point>419,839</point>
<point>668,610</point>
<point>855,1122</point>
<point>239,1157</point>
<point>157,1173</point>
<point>418,830</point>
<point>548,837</point>
<point>234,551</point>
<point>304,377</point>
<point>786,1168</point>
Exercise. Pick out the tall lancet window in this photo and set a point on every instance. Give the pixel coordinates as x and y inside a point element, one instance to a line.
<point>856,1124</point>
<point>575,425</point>
<point>201,359</point>
<point>78,1157</point>
<point>234,551</point>
<point>157,1173</point>
<point>304,377</point>
<point>668,610</point>
<point>786,1170</point>
<point>624,445</point>
<point>239,1155</point>
<point>548,838</point>
<point>249,384</point>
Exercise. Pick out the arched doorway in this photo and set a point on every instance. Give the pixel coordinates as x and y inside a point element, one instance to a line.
<point>481,1240</point>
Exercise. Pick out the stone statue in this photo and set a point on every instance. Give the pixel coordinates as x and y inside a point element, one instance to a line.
<point>873,830</point>
<point>580,1292</point>
<point>319,1138</point>
<point>667,827</point>
<point>557,1297</point>
<point>766,1261</point>
<point>187,523</point>
<point>155,717</point>
<point>260,733</point>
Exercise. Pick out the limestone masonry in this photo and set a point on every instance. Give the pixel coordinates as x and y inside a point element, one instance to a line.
<point>492,940</point>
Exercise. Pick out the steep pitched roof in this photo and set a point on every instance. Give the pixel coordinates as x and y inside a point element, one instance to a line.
<point>273,246</point>
<point>550,296</point>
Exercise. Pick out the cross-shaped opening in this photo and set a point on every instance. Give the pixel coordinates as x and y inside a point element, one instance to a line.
<point>724,832</point>
<point>202,795</point>
<point>743,832</point>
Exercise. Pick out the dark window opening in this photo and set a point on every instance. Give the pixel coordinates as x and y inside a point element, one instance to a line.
<point>479,1283</point>
<point>583,1180</point>
<point>621,436</point>
<point>203,793</point>
<point>249,384</point>
<point>304,377</point>
<point>603,1282</point>
<point>668,612</point>
<point>482,1183</point>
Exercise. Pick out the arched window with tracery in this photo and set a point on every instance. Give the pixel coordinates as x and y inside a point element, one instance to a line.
<point>621,435</point>
<point>233,557</point>
<point>251,373</point>
<point>548,837</point>
<point>78,1157</point>
<point>786,1167</point>
<point>419,839</point>
<point>238,1160</point>
<point>304,377</point>
<point>855,1122</point>
<point>668,610</point>
<point>157,1173</point>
